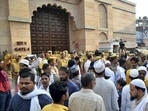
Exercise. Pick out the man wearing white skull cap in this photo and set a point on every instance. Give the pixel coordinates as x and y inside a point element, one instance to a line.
<point>138,92</point>
<point>108,72</point>
<point>126,102</point>
<point>142,74</point>
<point>105,88</point>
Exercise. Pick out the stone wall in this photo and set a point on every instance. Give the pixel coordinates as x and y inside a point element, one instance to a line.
<point>124,22</point>
<point>5,41</point>
<point>19,21</point>
<point>84,24</point>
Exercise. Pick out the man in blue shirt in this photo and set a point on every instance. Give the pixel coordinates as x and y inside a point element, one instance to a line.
<point>64,76</point>
<point>29,98</point>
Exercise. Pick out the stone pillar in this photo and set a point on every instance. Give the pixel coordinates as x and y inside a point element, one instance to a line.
<point>91,24</point>
<point>110,22</point>
<point>78,38</point>
<point>19,20</point>
<point>5,43</point>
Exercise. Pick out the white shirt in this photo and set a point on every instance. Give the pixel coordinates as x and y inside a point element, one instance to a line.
<point>87,65</point>
<point>35,63</point>
<point>107,90</point>
<point>119,74</point>
<point>45,61</point>
<point>122,72</point>
<point>41,87</point>
<point>110,73</point>
<point>126,103</point>
<point>140,105</point>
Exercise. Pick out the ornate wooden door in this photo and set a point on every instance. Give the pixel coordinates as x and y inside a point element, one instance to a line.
<point>49,29</point>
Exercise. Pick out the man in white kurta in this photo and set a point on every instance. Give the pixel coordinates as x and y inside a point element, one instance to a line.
<point>105,88</point>
<point>109,72</point>
<point>87,63</point>
<point>138,91</point>
<point>126,101</point>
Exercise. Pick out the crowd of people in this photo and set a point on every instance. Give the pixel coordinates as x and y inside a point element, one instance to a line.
<point>72,82</point>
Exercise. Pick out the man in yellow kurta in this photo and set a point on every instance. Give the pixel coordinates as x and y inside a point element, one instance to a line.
<point>59,94</point>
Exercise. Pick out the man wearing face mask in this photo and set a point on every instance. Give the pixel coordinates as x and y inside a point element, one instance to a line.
<point>29,98</point>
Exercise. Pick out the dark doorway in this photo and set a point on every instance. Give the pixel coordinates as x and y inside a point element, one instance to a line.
<point>49,29</point>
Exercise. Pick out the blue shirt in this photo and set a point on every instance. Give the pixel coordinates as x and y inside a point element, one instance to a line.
<point>19,104</point>
<point>72,87</point>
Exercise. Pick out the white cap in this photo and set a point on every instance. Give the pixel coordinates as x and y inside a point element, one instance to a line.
<point>74,68</point>
<point>134,73</point>
<point>24,61</point>
<point>99,66</point>
<point>107,72</point>
<point>139,83</point>
<point>107,62</point>
<point>142,68</point>
<point>30,55</point>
